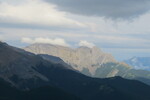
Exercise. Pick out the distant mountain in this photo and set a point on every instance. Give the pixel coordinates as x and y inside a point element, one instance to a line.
<point>139,62</point>
<point>90,61</point>
<point>38,77</point>
<point>80,58</point>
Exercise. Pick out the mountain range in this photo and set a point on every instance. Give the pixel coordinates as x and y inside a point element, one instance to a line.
<point>90,61</point>
<point>26,76</point>
<point>139,62</point>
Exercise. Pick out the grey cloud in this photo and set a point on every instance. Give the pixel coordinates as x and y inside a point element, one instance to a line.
<point>113,9</point>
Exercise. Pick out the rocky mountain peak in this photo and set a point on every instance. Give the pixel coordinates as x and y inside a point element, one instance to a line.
<point>79,58</point>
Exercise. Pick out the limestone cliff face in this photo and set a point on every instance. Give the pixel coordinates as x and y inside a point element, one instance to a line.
<point>79,58</point>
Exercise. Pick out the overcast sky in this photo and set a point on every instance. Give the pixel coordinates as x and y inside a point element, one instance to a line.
<point>120,27</point>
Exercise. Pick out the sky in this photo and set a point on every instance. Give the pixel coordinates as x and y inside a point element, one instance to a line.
<point>119,27</point>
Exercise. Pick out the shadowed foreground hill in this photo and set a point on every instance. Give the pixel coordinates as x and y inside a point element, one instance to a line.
<point>37,78</point>
<point>44,93</point>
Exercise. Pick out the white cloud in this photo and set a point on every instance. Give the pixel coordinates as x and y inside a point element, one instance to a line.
<point>85,43</point>
<point>56,41</point>
<point>35,12</point>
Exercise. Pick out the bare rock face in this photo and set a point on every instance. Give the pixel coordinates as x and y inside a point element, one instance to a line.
<point>79,58</point>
